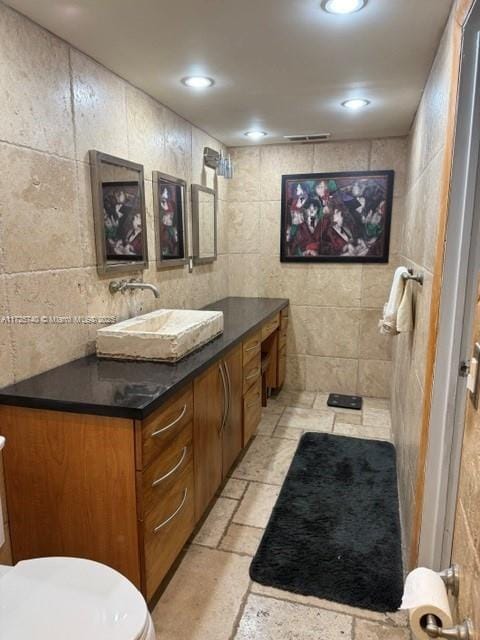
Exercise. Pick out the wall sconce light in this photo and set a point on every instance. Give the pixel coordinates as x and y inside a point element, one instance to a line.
<point>222,164</point>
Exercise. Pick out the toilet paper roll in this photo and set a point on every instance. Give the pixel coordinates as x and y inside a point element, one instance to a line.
<point>425,593</point>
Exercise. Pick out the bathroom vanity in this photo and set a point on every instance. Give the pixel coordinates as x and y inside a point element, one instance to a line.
<point>118,461</point>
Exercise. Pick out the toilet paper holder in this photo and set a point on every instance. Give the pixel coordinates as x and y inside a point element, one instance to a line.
<point>451,578</point>
<point>462,631</point>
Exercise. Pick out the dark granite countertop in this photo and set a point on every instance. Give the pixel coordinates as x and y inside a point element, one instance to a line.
<point>129,389</point>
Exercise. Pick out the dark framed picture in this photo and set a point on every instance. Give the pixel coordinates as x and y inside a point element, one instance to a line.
<point>122,220</point>
<point>118,199</point>
<point>336,217</point>
<point>170,220</point>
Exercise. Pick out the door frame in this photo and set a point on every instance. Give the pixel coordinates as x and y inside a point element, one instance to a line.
<point>457,305</point>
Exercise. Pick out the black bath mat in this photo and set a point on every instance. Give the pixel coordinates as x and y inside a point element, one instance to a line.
<point>334,532</point>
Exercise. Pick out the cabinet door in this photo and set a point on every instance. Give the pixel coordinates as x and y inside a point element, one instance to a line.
<point>209,410</point>
<point>232,432</point>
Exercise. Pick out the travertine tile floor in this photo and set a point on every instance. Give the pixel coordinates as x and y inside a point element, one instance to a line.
<point>211,596</point>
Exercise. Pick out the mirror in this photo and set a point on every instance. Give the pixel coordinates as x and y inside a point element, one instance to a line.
<point>204,216</point>
<point>169,197</point>
<point>119,214</point>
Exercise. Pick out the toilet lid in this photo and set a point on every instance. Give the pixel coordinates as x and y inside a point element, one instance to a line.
<point>71,598</point>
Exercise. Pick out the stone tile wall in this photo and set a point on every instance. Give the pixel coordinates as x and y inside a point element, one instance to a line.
<point>426,154</point>
<point>333,343</point>
<point>56,104</point>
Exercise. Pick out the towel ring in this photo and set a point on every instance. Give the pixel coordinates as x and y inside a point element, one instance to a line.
<point>418,277</point>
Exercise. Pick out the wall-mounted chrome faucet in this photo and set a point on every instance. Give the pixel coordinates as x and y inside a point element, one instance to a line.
<point>120,286</point>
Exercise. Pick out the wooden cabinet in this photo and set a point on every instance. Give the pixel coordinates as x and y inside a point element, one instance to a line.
<point>232,437</point>
<point>252,410</point>
<point>70,484</point>
<point>209,412</point>
<point>129,493</point>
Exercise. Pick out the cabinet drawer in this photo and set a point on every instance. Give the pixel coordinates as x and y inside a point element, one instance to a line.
<point>165,470</point>
<point>252,411</point>
<point>167,529</point>
<point>161,429</point>
<point>269,327</point>
<point>252,346</point>
<point>251,372</point>
<point>282,339</point>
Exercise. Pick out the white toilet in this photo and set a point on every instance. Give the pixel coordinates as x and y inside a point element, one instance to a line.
<point>69,599</point>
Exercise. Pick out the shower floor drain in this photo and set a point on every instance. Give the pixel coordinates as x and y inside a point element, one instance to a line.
<point>344,402</point>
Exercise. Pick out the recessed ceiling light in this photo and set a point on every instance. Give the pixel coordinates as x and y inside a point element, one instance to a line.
<point>198,82</point>
<point>255,135</point>
<point>355,103</point>
<point>343,6</point>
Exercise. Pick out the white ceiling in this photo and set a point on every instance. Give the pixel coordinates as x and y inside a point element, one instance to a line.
<point>281,65</point>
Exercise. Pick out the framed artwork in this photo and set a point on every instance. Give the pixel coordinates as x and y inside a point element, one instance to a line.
<point>170,220</point>
<point>119,213</point>
<point>122,220</point>
<point>336,217</point>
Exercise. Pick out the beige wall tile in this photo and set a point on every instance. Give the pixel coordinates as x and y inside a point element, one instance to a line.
<point>332,331</point>
<point>244,277</point>
<point>245,185</point>
<point>35,97</point>
<point>243,227</point>
<point>38,207</point>
<point>269,228</point>
<point>295,379</point>
<point>99,107</point>
<point>6,351</point>
<point>39,347</point>
<point>178,146</point>
<point>297,330</point>
<point>332,285</point>
<point>376,284</point>
<point>278,160</point>
<point>146,131</point>
<point>374,378</point>
<point>341,156</point>
<point>391,153</point>
<point>331,375</point>
<point>372,344</point>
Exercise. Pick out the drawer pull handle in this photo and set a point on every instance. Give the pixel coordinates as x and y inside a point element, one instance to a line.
<point>156,482</point>
<point>170,518</point>
<point>253,375</point>
<point>172,424</point>
<point>253,404</point>
<point>252,348</point>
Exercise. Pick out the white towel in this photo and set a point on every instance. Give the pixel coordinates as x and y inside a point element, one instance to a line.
<point>388,324</point>
<point>405,310</point>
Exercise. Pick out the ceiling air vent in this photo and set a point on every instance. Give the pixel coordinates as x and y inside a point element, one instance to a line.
<point>312,137</point>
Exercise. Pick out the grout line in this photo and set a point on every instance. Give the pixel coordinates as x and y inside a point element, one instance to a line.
<point>241,609</point>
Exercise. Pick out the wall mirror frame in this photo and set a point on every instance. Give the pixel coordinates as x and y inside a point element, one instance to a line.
<point>170,213</point>
<point>118,196</point>
<point>204,224</point>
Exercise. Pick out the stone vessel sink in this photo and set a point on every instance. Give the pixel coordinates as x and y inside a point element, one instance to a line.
<point>165,335</point>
